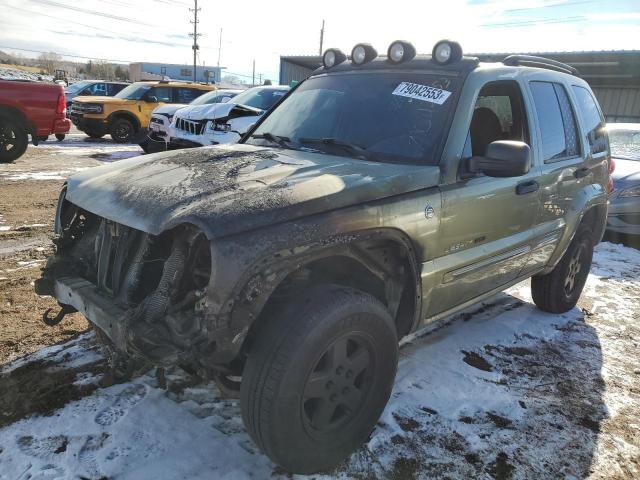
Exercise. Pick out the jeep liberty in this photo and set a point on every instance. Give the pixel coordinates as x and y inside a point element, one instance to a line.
<point>379,195</point>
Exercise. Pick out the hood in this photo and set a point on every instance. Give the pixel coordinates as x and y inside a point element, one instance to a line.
<point>170,108</point>
<point>228,189</point>
<point>107,100</point>
<point>214,110</point>
<point>626,174</point>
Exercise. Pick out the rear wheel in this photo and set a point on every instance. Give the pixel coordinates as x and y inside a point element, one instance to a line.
<point>122,130</point>
<point>13,140</point>
<point>559,290</point>
<point>60,136</point>
<point>318,376</point>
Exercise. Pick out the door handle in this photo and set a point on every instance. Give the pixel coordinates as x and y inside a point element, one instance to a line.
<point>527,187</point>
<point>581,172</point>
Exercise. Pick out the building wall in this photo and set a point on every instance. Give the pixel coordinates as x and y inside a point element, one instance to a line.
<point>174,72</point>
<point>619,104</point>
<point>290,72</point>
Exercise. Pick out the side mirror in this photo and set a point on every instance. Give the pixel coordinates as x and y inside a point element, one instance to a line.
<point>151,99</point>
<point>503,158</point>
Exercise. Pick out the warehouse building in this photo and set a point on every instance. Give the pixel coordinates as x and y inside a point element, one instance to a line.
<point>614,76</point>
<point>158,71</point>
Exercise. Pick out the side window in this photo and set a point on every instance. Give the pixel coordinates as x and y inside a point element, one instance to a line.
<point>592,119</point>
<point>186,95</point>
<point>113,88</point>
<point>163,94</point>
<point>498,115</point>
<point>556,121</point>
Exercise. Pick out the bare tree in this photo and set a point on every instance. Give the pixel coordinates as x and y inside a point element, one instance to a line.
<point>49,61</point>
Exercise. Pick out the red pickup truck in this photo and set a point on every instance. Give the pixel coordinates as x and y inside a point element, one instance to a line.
<point>29,108</point>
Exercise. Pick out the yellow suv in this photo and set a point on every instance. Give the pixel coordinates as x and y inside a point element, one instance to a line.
<point>126,115</point>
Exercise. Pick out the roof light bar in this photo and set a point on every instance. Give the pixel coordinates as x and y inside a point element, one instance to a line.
<point>400,51</point>
<point>363,53</point>
<point>446,51</point>
<point>333,57</point>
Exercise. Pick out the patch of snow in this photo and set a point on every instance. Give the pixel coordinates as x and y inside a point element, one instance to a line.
<point>503,390</point>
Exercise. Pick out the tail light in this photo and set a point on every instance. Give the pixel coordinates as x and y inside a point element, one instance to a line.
<point>61,108</point>
<point>612,167</point>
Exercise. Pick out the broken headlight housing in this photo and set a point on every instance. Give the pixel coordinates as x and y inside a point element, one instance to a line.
<point>214,126</point>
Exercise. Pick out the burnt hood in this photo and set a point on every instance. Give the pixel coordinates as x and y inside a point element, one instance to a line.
<point>228,189</point>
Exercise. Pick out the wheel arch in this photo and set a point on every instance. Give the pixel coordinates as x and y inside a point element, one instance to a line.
<point>126,115</point>
<point>381,262</point>
<point>13,112</point>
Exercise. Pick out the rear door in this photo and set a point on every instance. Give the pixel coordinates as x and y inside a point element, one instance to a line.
<point>563,169</point>
<point>487,223</point>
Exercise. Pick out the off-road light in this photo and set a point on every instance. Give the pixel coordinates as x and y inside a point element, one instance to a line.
<point>333,57</point>
<point>400,51</point>
<point>363,53</point>
<point>446,51</point>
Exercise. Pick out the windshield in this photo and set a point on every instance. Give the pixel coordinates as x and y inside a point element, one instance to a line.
<point>133,92</point>
<point>262,98</point>
<point>625,144</point>
<point>76,87</point>
<point>215,96</point>
<point>395,117</point>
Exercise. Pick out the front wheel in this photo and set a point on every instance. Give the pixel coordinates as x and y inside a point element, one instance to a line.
<point>122,130</point>
<point>13,140</point>
<point>559,290</point>
<point>318,375</point>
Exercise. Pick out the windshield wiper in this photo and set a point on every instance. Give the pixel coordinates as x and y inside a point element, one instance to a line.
<point>350,147</point>
<point>280,140</point>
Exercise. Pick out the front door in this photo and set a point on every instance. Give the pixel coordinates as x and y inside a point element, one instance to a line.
<point>487,223</point>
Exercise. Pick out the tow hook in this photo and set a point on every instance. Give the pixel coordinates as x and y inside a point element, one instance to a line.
<point>52,321</point>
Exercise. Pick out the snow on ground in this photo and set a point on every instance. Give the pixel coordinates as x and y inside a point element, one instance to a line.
<point>9,73</point>
<point>62,159</point>
<point>501,391</point>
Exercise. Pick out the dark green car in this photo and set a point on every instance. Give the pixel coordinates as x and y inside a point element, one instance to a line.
<point>380,195</point>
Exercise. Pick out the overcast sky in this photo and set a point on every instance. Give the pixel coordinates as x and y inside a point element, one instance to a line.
<point>157,30</point>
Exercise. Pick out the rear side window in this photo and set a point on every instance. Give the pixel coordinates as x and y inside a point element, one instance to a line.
<point>113,88</point>
<point>592,119</point>
<point>556,120</point>
<point>186,95</point>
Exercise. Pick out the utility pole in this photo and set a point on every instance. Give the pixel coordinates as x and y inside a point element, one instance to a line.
<point>321,36</point>
<point>220,47</point>
<point>253,75</point>
<point>195,36</point>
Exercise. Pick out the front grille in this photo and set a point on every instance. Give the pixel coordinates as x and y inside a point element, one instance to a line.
<point>190,126</point>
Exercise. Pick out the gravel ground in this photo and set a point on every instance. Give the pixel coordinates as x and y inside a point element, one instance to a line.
<point>501,391</point>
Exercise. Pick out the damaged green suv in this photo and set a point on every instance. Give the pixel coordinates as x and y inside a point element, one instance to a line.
<point>380,195</point>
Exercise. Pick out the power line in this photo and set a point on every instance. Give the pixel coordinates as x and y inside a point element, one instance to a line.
<point>91,12</point>
<point>84,57</point>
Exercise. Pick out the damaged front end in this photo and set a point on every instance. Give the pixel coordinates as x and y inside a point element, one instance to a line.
<point>146,293</point>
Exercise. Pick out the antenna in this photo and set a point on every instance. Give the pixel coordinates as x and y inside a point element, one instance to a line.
<point>321,36</point>
<point>195,36</point>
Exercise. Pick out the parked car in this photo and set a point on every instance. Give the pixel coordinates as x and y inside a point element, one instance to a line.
<point>199,125</point>
<point>381,195</point>
<point>29,108</point>
<point>95,88</point>
<point>126,115</point>
<point>624,201</point>
<point>161,118</point>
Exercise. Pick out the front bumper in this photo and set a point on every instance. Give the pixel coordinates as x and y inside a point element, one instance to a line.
<point>84,124</point>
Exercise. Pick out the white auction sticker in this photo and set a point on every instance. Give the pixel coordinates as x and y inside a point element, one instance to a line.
<point>422,92</point>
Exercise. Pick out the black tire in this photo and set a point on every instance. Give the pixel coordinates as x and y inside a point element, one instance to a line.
<point>559,290</point>
<point>295,401</point>
<point>60,136</point>
<point>43,138</point>
<point>122,130</point>
<point>13,140</point>
<point>94,134</point>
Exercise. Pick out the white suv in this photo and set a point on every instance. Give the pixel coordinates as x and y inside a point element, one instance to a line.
<point>200,125</point>
<point>161,118</point>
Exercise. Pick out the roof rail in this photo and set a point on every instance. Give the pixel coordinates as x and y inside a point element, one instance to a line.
<point>540,62</point>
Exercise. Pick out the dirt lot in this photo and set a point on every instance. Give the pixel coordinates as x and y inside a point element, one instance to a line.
<point>501,391</point>
<point>29,190</point>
